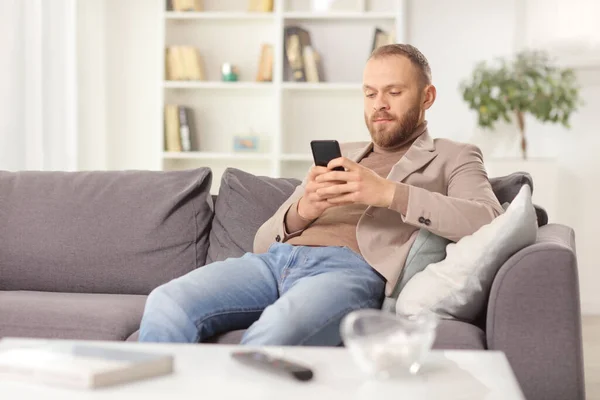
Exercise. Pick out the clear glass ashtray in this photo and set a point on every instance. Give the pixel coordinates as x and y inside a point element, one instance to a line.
<point>384,344</point>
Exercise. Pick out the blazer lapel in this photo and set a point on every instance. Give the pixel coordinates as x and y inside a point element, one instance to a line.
<point>420,153</point>
<point>357,155</point>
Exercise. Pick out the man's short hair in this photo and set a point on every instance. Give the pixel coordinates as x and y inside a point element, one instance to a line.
<point>412,53</point>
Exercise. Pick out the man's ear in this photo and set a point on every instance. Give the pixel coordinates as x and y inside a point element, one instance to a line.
<point>429,95</point>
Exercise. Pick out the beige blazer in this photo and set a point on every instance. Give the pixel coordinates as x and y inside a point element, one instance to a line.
<point>449,195</point>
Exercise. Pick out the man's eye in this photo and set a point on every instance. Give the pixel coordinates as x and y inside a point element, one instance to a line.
<point>370,95</point>
<point>394,93</point>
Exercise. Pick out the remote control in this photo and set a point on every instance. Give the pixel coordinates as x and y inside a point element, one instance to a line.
<point>277,365</point>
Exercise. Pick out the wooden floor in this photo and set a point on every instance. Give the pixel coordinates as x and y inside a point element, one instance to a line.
<point>591,356</point>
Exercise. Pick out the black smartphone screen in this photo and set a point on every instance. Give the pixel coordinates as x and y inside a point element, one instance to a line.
<point>325,151</point>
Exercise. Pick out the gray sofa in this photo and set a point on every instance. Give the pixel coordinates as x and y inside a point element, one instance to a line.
<point>80,251</point>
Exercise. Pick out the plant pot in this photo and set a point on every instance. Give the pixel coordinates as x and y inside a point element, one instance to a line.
<point>544,171</point>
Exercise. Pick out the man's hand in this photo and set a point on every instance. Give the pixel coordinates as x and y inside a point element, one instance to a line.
<point>356,184</point>
<point>312,205</point>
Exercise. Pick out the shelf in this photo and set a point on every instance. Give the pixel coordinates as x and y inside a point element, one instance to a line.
<point>216,15</point>
<point>216,85</point>
<point>339,15</point>
<point>321,86</point>
<point>206,155</point>
<point>296,157</point>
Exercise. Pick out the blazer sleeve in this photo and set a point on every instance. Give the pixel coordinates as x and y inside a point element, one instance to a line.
<point>469,205</point>
<point>274,230</point>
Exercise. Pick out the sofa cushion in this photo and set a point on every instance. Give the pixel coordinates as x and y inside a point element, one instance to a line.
<point>428,248</point>
<point>70,315</point>
<point>102,231</point>
<point>458,286</point>
<point>244,203</point>
<point>507,187</point>
<point>450,335</point>
<point>459,335</point>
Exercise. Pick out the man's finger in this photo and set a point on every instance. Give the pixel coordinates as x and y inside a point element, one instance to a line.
<point>316,171</point>
<point>347,198</point>
<point>337,189</point>
<point>342,176</point>
<point>344,162</point>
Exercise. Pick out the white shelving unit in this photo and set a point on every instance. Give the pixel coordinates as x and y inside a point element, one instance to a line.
<point>286,115</point>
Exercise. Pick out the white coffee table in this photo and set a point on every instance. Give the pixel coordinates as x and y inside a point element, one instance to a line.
<point>206,371</point>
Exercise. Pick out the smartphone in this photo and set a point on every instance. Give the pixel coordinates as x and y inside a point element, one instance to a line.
<point>324,151</point>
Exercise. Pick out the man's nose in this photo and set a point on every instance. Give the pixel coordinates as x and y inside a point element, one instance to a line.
<point>380,104</point>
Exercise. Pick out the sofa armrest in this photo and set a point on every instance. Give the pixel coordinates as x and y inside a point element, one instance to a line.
<point>534,316</point>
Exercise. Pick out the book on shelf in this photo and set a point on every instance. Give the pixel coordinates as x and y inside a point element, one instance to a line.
<point>185,5</point>
<point>80,366</point>
<point>382,38</point>
<point>184,63</point>
<point>180,134</point>
<point>265,65</point>
<point>303,60</point>
<point>260,5</point>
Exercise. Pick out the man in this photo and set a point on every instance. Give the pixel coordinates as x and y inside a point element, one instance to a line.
<point>340,241</point>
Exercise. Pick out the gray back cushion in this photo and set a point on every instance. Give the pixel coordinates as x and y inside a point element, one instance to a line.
<point>507,187</point>
<point>102,232</point>
<point>244,203</point>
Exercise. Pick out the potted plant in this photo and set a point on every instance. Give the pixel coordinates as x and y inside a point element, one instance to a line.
<point>529,83</point>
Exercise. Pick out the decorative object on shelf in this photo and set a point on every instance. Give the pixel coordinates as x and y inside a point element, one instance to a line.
<point>184,63</point>
<point>529,83</point>
<point>185,5</point>
<point>265,65</point>
<point>382,38</point>
<point>245,143</point>
<point>229,73</point>
<point>179,129</point>
<point>260,6</point>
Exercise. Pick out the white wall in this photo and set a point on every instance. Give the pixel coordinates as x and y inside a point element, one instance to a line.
<point>119,83</point>
<point>120,99</point>
<point>91,71</point>
<point>456,34</point>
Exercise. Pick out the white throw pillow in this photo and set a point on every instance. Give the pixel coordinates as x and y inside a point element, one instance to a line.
<point>458,286</point>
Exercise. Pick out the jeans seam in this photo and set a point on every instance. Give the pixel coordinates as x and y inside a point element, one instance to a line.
<point>287,266</point>
<point>220,313</point>
<point>345,311</point>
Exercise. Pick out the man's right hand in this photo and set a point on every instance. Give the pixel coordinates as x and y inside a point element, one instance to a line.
<point>311,205</point>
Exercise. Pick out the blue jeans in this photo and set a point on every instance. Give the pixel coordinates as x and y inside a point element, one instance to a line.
<point>291,295</point>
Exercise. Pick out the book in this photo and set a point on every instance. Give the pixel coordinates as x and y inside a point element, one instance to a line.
<point>382,38</point>
<point>187,5</point>
<point>311,59</point>
<point>265,65</point>
<point>296,39</point>
<point>172,129</point>
<point>80,366</point>
<point>260,6</point>
<point>184,63</point>
<point>186,129</point>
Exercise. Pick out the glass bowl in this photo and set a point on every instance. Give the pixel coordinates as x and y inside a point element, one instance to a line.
<point>384,344</point>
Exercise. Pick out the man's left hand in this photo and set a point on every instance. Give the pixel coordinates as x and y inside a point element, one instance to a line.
<point>359,185</point>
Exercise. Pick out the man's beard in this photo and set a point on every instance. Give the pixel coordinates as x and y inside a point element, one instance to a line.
<point>386,136</point>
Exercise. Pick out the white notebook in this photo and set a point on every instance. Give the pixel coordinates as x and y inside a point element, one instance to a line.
<point>80,366</point>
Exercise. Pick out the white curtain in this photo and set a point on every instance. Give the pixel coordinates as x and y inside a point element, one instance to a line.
<point>38,75</point>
